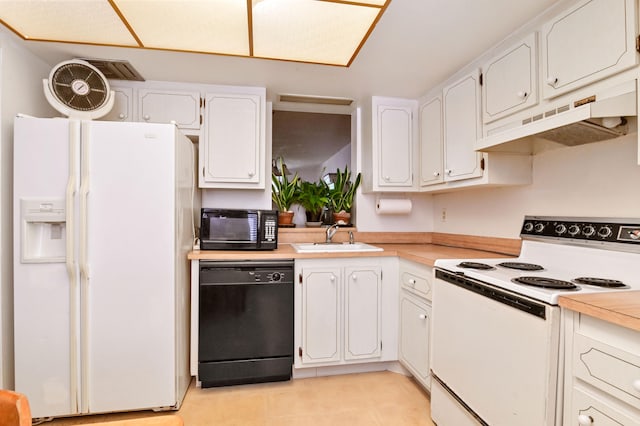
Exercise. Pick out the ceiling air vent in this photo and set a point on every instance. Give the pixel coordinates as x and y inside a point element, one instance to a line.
<point>116,69</point>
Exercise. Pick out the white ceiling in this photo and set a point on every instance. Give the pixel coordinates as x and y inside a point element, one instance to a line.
<point>415,46</point>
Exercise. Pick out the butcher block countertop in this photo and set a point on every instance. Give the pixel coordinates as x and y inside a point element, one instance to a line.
<point>421,253</point>
<point>617,307</point>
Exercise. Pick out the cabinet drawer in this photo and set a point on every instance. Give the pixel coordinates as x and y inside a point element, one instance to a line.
<point>586,409</point>
<point>608,368</point>
<point>416,278</point>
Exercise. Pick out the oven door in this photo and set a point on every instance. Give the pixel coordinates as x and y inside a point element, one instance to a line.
<point>494,355</point>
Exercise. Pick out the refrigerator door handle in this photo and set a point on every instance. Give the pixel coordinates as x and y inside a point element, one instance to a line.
<point>84,265</point>
<point>74,141</point>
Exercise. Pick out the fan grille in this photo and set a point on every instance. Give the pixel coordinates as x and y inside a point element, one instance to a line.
<point>79,87</point>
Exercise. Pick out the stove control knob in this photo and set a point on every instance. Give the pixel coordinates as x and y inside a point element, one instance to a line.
<point>276,276</point>
<point>528,227</point>
<point>539,227</point>
<point>588,231</point>
<point>574,230</point>
<point>561,229</point>
<point>605,232</point>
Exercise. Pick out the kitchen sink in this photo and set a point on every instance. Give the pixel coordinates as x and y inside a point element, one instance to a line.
<point>333,247</point>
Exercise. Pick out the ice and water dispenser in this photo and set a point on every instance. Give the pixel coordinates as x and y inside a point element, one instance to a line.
<point>43,231</point>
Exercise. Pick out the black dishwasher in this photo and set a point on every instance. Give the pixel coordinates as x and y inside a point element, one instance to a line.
<point>245,322</point>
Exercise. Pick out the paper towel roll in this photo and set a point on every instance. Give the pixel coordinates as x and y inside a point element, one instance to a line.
<point>393,206</point>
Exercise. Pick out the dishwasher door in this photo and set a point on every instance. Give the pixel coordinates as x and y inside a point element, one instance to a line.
<point>245,322</point>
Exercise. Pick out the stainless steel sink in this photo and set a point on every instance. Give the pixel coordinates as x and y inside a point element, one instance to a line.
<point>333,247</point>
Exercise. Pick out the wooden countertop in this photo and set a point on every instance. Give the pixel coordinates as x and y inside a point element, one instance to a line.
<point>421,253</point>
<point>617,307</point>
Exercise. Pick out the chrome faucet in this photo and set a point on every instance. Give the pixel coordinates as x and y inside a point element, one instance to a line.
<point>351,238</point>
<point>331,231</point>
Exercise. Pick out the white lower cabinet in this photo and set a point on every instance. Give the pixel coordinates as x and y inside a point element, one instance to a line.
<point>602,372</point>
<point>415,320</point>
<point>339,312</point>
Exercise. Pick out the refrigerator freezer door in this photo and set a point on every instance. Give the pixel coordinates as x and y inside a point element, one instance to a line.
<point>128,266</point>
<point>45,155</point>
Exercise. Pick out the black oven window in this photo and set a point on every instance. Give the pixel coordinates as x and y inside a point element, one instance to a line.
<point>233,228</point>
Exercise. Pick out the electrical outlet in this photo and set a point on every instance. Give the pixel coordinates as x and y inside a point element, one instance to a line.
<point>443,215</point>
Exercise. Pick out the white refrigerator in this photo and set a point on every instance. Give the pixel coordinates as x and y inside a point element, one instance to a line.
<point>103,220</point>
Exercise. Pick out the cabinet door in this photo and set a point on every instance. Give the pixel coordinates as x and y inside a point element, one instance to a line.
<point>510,80</point>
<point>462,128</point>
<point>232,153</point>
<point>362,313</point>
<point>122,105</point>
<point>321,325</point>
<point>431,142</point>
<point>392,135</point>
<point>590,41</point>
<point>159,106</point>
<point>415,319</point>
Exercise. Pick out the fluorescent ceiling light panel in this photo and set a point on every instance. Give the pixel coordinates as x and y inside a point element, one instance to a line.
<point>310,31</point>
<point>199,26</point>
<point>88,21</point>
<point>316,31</point>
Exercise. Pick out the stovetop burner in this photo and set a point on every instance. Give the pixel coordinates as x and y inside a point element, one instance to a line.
<point>475,265</point>
<point>544,282</point>
<point>600,282</point>
<point>523,266</point>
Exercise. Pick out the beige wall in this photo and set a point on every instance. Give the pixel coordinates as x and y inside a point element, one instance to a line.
<point>599,179</point>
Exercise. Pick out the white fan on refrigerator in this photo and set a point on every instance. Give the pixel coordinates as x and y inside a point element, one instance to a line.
<point>78,90</point>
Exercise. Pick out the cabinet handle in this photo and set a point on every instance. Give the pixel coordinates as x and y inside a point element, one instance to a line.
<point>251,174</point>
<point>332,278</point>
<point>422,316</point>
<point>412,282</point>
<point>147,117</point>
<point>386,178</point>
<point>354,277</point>
<point>552,81</point>
<point>122,116</point>
<point>522,94</point>
<point>436,174</point>
<point>583,419</point>
<point>449,171</point>
<point>636,384</point>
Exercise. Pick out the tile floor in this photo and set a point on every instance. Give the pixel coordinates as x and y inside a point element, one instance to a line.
<point>372,399</point>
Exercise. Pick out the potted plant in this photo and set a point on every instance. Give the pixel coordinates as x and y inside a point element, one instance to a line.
<point>313,196</point>
<point>284,193</point>
<point>342,195</point>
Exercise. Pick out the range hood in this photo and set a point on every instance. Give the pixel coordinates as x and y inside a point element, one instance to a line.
<point>576,123</point>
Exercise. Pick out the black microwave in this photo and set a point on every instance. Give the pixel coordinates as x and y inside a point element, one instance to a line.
<point>229,229</point>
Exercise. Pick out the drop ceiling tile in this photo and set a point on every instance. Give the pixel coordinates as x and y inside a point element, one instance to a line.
<point>310,31</point>
<point>88,21</point>
<point>219,26</point>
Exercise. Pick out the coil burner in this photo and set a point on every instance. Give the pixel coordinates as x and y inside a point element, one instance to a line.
<point>544,282</point>
<point>600,282</point>
<point>475,265</point>
<point>522,266</point>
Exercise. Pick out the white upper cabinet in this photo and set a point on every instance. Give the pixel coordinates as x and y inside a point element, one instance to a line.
<point>590,41</point>
<point>510,80</point>
<point>431,138</point>
<point>393,143</point>
<point>232,154</point>
<point>165,106</point>
<point>462,127</point>
<point>122,105</point>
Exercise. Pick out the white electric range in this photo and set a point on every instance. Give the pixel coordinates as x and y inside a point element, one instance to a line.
<point>496,346</point>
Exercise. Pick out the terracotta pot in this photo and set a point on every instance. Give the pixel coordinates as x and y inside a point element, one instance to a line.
<point>342,218</point>
<point>285,218</point>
